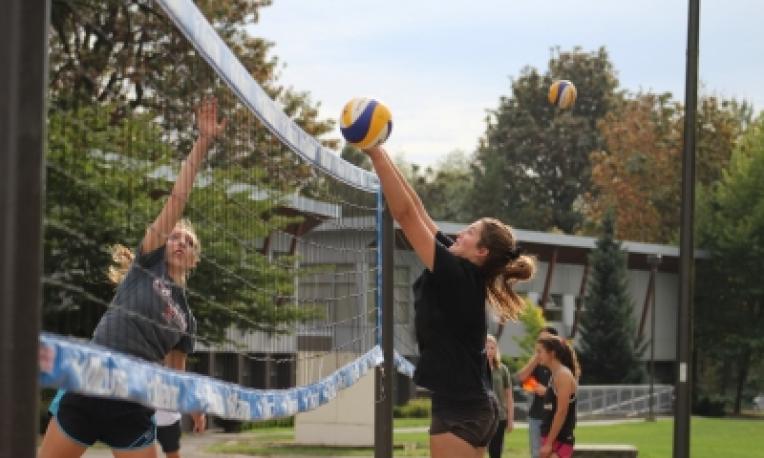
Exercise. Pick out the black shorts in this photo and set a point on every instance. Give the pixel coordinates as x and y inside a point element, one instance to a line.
<point>475,421</point>
<point>169,437</point>
<point>122,425</point>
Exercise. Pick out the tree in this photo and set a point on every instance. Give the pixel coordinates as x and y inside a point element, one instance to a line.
<point>637,172</point>
<point>609,349</point>
<point>129,54</point>
<point>532,166</point>
<point>444,188</point>
<point>730,296</point>
<point>104,188</point>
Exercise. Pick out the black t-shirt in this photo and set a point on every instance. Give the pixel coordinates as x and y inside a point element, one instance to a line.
<point>542,375</point>
<point>450,324</point>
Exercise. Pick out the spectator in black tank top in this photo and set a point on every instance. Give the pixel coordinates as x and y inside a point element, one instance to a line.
<point>534,378</point>
<point>557,439</point>
<point>481,265</point>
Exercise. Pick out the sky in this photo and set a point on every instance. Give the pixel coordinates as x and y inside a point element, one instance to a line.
<point>440,65</point>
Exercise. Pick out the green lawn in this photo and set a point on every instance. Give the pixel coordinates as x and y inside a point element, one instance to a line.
<point>711,438</point>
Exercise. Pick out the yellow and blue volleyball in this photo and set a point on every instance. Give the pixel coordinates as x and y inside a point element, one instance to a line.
<point>563,94</point>
<point>365,122</point>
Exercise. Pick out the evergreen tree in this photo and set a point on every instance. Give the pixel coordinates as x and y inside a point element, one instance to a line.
<point>608,349</point>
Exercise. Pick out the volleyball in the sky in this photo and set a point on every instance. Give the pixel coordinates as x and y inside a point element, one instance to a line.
<point>562,93</point>
<point>365,122</point>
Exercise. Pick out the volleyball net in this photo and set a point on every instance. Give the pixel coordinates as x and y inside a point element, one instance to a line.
<point>286,293</point>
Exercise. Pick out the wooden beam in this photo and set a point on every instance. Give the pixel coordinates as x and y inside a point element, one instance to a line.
<point>646,305</point>
<point>548,280</point>
<point>580,299</point>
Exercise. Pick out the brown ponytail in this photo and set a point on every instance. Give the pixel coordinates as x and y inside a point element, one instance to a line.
<point>504,266</point>
<point>563,351</point>
<point>121,257</point>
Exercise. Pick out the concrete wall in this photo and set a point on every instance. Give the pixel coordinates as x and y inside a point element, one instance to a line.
<point>348,420</point>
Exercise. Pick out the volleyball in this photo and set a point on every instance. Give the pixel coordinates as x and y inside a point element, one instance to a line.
<point>563,94</point>
<point>365,122</point>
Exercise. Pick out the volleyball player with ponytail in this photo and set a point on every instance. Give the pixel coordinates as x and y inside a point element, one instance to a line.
<point>148,318</point>
<point>481,266</point>
<point>559,421</point>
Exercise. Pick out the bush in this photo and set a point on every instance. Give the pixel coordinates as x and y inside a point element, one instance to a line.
<point>416,408</point>
<point>710,406</point>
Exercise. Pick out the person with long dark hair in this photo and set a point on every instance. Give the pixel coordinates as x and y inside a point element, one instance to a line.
<point>481,266</point>
<point>557,438</point>
<point>534,379</point>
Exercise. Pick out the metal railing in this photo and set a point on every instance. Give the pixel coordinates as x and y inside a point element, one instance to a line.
<point>623,400</point>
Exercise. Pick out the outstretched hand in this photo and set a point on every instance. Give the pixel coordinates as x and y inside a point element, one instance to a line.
<point>207,118</point>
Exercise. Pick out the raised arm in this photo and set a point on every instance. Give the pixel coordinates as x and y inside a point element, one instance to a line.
<point>403,208</point>
<point>209,129</point>
<point>423,215</point>
<point>527,370</point>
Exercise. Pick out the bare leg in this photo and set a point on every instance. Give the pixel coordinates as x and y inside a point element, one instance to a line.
<point>146,452</point>
<point>449,445</point>
<point>56,444</point>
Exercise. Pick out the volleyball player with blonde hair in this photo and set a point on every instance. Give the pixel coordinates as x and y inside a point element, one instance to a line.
<point>502,389</point>
<point>148,318</point>
<point>481,266</point>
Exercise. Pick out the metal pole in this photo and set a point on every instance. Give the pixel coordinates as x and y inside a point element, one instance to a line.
<point>385,376</point>
<point>654,260</point>
<point>683,382</point>
<point>23,90</point>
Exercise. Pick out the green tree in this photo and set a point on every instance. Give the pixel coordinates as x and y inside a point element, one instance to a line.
<point>608,348</point>
<point>129,54</point>
<point>445,187</point>
<point>637,172</point>
<point>532,166</point>
<point>105,184</point>
<point>730,296</point>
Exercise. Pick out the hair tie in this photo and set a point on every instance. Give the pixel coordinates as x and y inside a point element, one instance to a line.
<point>515,253</point>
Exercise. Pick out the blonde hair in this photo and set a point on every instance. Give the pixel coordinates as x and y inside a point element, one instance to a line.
<point>505,266</point>
<point>122,257</point>
<point>496,361</point>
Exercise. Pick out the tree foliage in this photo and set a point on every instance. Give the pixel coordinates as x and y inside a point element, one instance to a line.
<point>638,170</point>
<point>609,350</point>
<point>532,166</point>
<point>123,82</point>
<point>730,295</point>
<point>100,191</point>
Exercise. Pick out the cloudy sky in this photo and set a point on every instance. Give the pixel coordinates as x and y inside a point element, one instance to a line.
<point>440,65</point>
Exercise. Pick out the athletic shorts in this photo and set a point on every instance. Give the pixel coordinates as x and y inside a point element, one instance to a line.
<point>474,421</point>
<point>122,425</point>
<point>562,449</point>
<point>169,437</point>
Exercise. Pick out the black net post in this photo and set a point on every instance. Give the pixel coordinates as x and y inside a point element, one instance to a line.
<point>23,82</point>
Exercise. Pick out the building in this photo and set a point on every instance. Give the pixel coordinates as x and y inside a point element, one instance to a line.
<point>347,280</point>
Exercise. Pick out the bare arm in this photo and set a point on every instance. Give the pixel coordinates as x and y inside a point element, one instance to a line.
<point>403,208</point>
<point>176,359</point>
<point>209,128</point>
<point>423,215</point>
<point>527,370</point>
<point>564,384</point>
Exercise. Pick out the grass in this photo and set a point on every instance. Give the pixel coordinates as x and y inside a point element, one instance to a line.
<point>711,437</point>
